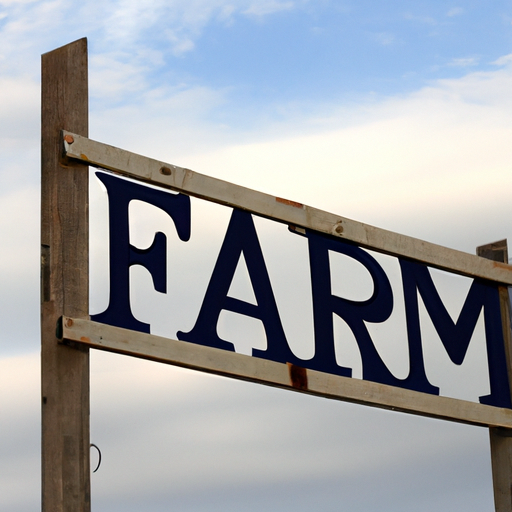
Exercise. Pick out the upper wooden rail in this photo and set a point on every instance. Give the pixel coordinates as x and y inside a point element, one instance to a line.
<point>282,210</point>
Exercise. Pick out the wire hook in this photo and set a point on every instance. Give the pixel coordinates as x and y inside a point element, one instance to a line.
<point>99,460</point>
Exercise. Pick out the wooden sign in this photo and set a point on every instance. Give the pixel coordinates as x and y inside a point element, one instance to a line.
<point>66,154</point>
<point>200,346</point>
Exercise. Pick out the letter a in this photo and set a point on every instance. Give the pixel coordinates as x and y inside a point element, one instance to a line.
<point>241,238</point>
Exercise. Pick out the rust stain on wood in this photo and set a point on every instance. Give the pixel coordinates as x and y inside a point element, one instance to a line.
<point>290,203</point>
<point>499,264</point>
<point>85,339</point>
<point>298,376</point>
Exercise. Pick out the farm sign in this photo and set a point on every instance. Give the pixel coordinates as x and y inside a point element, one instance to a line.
<point>403,298</point>
<point>242,242</point>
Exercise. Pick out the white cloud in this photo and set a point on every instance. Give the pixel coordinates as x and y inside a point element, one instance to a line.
<point>179,23</point>
<point>20,432</point>
<point>371,162</point>
<point>464,62</point>
<point>455,11</point>
<point>131,30</point>
<point>382,162</point>
<point>19,231</point>
<point>505,60</point>
<point>385,38</point>
<point>263,8</point>
<point>426,20</point>
<point>113,79</point>
<point>19,106</point>
<point>217,432</point>
<point>7,3</point>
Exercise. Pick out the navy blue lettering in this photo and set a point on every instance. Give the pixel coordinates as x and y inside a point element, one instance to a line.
<point>241,238</point>
<point>377,308</point>
<point>123,255</point>
<point>456,336</point>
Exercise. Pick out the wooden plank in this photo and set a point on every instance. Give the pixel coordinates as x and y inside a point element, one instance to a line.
<point>64,283</point>
<point>243,367</point>
<point>501,439</point>
<point>282,210</point>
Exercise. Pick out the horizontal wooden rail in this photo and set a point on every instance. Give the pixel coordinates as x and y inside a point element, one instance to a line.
<point>243,367</point>
<point>282,210</point>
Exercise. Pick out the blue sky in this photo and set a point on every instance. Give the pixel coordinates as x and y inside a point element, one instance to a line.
<point>334,52</point>
<point>395,113</point>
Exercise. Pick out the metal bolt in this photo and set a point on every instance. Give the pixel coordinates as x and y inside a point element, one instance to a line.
<point>69,322</point>
<point>165,171</point>
<point>69,139</point>
<point>338,228</point>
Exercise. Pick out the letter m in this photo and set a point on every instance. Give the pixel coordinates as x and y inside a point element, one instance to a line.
<point>456,336</point>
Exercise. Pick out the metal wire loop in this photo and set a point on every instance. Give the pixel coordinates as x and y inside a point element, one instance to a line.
<point>99,460</point>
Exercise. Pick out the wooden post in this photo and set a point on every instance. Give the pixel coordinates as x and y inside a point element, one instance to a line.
<point>64,283</point>
<point>501,439</point>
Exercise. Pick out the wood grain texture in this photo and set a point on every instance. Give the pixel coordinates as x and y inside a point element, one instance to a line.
<point>64,283</point>
<point>501,439</point>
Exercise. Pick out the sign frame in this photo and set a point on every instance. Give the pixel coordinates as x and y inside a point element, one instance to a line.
<point>299,217</point>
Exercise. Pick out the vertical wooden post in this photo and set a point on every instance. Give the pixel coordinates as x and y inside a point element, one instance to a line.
<point>64,283</point>
<point>501,439</point>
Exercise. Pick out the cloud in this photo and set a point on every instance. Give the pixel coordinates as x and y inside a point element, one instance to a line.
<point>113,80</point>
<point>20,439</point>
<point>7,3</point>
<point>258,440</point>
<point>371,161</point>
<point>455,11</point>
<point>175,117</point>
<point>19,105</point>
<point>130,31</point>
<point>505,60</point>
<point>385,38</point>
<point>219,435</point>
<point>425,20</point>
<point>464,62</point>
<point>19,271</point>
<point>388,149</point>
<point>266,7</point>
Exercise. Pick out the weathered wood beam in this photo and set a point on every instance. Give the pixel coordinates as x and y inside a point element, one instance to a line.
<point>501,439</point>
<point>254,369</point>
<point>290,212</point>
<point>64,283</point>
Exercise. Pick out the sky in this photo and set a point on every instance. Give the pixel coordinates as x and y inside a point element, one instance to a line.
<point>397,114</point>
